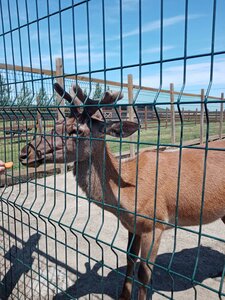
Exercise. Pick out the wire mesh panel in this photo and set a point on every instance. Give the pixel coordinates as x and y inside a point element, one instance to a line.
<point>112,113</point>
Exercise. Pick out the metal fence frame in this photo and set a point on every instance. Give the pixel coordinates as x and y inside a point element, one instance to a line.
<point>47,247</point>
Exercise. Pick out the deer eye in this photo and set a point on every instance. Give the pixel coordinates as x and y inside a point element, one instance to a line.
<point>76,131</point>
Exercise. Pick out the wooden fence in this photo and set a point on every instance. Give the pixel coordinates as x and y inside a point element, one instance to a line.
<point>147,117</point>
<point>14,132</point>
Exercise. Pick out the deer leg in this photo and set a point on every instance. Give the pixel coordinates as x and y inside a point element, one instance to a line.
<point>131,260</point>
<point>149,247</point>
<point>223,219</point>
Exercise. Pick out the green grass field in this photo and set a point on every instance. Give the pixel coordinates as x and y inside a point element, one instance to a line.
<point>149,137</point>
<point>10,148</point>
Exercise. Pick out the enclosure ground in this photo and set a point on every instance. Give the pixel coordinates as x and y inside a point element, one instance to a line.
<point>55,245</point>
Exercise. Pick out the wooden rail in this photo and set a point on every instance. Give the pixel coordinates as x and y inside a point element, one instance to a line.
<point>54,73</point>
<point>146,116</point>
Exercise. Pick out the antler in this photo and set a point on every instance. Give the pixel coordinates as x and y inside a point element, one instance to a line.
<point>109,98</point>
<point>71,98</point>
<point>77,97</point>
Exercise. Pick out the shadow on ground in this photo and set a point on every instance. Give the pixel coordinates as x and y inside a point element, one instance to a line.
<point>21,262</point>
<point>211,264</point>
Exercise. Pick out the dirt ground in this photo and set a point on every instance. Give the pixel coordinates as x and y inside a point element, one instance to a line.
<point>63,247</point>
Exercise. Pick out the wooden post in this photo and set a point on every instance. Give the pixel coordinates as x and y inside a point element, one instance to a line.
<point>59,72</point>
<point>172,115</point>
<point>182,113</point>
<point>166,117</point>
<point>202,116</point>
<point>196,115</point>
<point>60,101</point>
<point>221,116</point>
<point>189,115</point>
<point>120,111</point>
<point>39,120</point>
<point>130,109</point>
<point>216,117</point>
<point>146,117</point>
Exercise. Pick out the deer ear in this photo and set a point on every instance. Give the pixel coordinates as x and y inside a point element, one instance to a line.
<point>119,129</point>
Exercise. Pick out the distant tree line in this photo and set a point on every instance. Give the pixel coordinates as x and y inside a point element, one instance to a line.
<point>98,93</point>
<point>23,97</point>
<point>26,97</point>
<point>5,92</point>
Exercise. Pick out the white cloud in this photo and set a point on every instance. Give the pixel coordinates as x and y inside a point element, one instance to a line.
<point>81,56</point>
<point>96,57</point>
<point>198,74</point>
<point>157,49</point>
<point>155,25</point>
<point>127,5</point>
<point>130,5</point>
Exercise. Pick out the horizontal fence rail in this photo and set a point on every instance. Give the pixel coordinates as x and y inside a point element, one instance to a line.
<point>112,125</point>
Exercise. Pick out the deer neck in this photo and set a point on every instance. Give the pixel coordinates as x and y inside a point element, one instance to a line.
<point>99,176</point>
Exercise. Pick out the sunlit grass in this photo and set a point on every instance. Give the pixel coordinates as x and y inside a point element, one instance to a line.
<point>152,136</point>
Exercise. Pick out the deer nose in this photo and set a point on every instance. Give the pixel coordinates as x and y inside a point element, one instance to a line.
<point>22,157</point>
<point>24,153</point>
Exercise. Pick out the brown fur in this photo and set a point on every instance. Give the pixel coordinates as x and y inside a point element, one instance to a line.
<point>190,194</point>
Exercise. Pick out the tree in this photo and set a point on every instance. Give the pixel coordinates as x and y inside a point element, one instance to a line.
<point>85,91</point>
<point>98,91</point>
<point>25,96</point>
<point>5,91</point>
<point>42,97</point>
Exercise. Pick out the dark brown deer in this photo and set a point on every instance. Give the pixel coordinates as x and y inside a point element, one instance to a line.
<point>143,212</point>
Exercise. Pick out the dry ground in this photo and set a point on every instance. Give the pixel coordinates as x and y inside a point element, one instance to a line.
<point>50,257</point>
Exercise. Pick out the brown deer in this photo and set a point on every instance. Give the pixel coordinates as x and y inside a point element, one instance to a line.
<point>148,203</point>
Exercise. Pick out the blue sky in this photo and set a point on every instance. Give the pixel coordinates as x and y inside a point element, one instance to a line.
<point>128,52</point>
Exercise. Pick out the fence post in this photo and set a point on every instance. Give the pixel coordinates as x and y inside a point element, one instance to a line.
<point>39,120</point>
<point>216,117</point>
<point>189,115</point>
<point>202,116</point>
<point>196,115</point>
<point>221,116</point>
<point>172,115</point>
<point>146,117</point>
<point>59,72</point>
<point>182,113</point>
<point>120,111</point>
<point>60,101</point>
<point>130,109</point>
<point>167,117</point>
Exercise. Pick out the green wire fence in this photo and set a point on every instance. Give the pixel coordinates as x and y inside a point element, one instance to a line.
<point>167,61</point>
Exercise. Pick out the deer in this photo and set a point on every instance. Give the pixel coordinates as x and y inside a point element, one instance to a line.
<point>148,202</point>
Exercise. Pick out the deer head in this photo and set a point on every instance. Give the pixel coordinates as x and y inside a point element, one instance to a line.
<point>70,138</point>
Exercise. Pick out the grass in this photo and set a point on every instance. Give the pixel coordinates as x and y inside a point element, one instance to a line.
<point>9,149</point>
<point>150,137</point>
